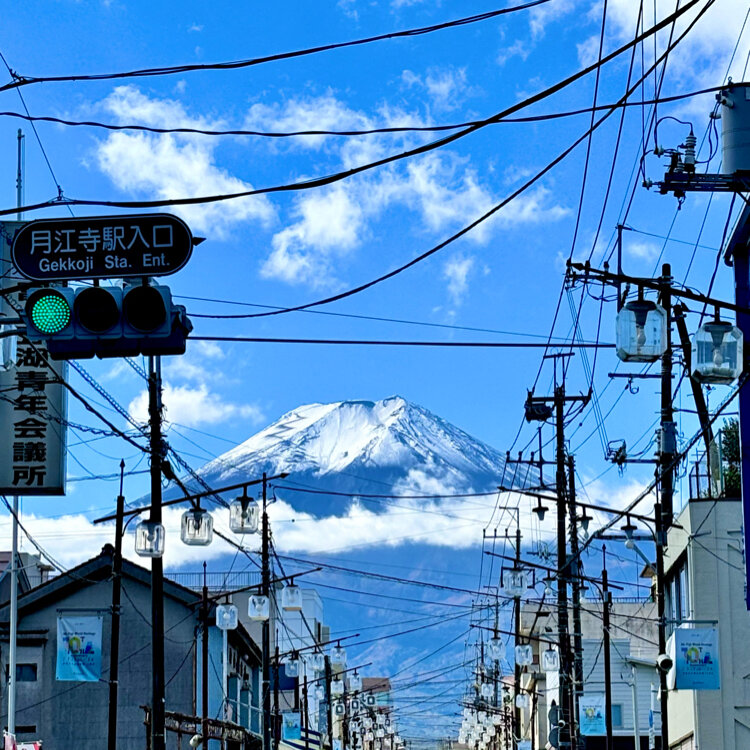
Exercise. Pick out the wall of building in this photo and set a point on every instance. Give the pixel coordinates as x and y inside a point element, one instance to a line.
<point>712,541</point>
<point>75,714</point>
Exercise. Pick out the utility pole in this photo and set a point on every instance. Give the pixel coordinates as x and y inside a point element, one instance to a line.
<point>329,707</point>
<point>157,564</point>
<point>576,590</point>
<point>538,409</point>
<point>276,706</point>
<point>517,667</point>
<point>564,734</point>
<point>114,648</point>
<point>204,659</point>
<point>662,623</point>
<point>606,601</point>
<point>266,647</point>
<point>13,622</point>
<point>668,447</point>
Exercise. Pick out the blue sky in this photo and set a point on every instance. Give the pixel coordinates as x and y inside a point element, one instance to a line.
<point>285,250</point>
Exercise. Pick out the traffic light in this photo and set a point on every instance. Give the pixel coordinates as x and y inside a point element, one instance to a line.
<point>107,321</point>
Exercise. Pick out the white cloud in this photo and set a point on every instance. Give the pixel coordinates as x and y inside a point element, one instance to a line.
<point>328,225</point>
<point>446,87</point>
<point>193,406</point>
<point>174,166</point>
<point>519,48</point>
<point>456,272</point>
<point>642,250</point>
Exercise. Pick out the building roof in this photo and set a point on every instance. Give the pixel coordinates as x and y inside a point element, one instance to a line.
<point>93,571</point>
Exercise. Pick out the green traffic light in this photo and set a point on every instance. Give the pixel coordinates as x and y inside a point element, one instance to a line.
<point>49,312</point>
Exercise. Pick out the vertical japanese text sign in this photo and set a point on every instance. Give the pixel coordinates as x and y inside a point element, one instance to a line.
<point>33,401</point>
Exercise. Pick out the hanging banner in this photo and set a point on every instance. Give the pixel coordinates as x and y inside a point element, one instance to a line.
<point>696,659</point>
<point>79,649</point>
<point>291,729</point>
<point>591,709</point>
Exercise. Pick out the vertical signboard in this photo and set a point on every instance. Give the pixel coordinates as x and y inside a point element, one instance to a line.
<point>291,728</point>
<point>33,400</point>
<point>79,649</point>
<point>697,659</point>
<point>591,712</point>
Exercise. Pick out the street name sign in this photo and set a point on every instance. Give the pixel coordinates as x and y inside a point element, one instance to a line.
<point>102,247</point>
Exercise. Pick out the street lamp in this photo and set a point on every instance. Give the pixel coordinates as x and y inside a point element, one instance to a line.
<point>149,539</point>
<point>244,515</point>
<point>717,352</point>
<point>197,528</point>
<point>641,331</point>
<point>291,598</point>
<point>258,608</point>
<point>496,648</point>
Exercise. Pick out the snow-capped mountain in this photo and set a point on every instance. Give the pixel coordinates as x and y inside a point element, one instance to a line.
<point>388,446</point>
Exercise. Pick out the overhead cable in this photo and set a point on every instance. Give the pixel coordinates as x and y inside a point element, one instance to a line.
<point>21,80</point>
<point>351,133</point>
<point>418,150</point>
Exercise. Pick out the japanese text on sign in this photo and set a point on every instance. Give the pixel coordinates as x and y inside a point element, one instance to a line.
<point>102,247</point>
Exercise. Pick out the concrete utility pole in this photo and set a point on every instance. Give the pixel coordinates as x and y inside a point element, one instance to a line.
<point>606,601</point>
<point>517,667</point>
<point>266,638</point>
<point>158,740</point>
<point>576,591</point>
<point>565,734</point>
<point>114,647</point>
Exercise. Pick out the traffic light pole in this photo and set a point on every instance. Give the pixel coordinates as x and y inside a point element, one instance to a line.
<point>157,564</point>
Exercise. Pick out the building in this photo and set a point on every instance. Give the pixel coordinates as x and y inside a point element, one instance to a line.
<point>67,714</point>
<point>633,652</point>
<point>705,585</point>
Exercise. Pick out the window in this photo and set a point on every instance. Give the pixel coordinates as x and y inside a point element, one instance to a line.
<point>24,672</point>
<point>677,595</point>
<point>617,716</point>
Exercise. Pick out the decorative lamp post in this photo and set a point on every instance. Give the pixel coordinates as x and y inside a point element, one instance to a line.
<point>515,582</point>
<point>540,509</point>
<point>317,661</point>
<point>291,666</point>
<point>716,352</point>
<point>355,682</point>
<point>149,539</point>
<point>197,527</point>
<point>524,655</point>
<point>244,515</point>
<point>641,331</point>
<point>496,648</point>
<point>551,660</point>
<point>338,655</point>
<point>291,598</point>
<point>258,608</point>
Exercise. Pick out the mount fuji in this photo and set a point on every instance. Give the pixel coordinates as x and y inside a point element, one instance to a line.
<point>380,447</point>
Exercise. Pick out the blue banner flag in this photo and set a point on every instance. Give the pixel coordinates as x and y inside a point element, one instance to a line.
<point>79,649</point>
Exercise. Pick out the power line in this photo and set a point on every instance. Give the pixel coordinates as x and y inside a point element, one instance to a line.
<point>423,149</point>
<point>21,80</point>
<point>374,342</point>
<point>350,133</point>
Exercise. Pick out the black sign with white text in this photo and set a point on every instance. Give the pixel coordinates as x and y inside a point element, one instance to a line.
<point>102,247</point>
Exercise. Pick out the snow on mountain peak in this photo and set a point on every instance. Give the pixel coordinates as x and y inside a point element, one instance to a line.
<point>390,441</point>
